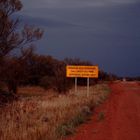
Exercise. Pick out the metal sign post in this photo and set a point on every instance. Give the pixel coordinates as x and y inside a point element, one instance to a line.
<point>75,85</point>
<point>88,87</point>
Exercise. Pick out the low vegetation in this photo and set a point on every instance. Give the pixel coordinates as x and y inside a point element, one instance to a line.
<point>101,116</point>
<point>50,116</point>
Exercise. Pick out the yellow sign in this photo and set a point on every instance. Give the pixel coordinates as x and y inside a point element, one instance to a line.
<point>82,71</point>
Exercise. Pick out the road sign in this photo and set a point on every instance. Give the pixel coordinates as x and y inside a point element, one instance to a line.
<point>82,71</point>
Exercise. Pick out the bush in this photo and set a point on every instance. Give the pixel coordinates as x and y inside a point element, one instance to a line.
<point>58,81</point>
<point>47,82</point>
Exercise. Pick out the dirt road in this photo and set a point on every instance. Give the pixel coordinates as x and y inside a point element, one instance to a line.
<point>117,119</point>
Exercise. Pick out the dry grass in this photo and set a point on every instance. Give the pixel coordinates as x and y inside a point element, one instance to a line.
<point>43,117</point>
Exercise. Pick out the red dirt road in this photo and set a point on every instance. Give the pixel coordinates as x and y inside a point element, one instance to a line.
<point>122,116</point>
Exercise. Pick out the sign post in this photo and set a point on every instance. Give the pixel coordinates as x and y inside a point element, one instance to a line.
<point>82,72</point>
<point>75,85</point>
<point>87,87</point>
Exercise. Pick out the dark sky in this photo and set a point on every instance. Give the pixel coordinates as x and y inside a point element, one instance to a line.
<point>105,32</point>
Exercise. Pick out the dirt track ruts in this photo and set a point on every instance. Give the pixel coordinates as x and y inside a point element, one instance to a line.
<point>122,116</point>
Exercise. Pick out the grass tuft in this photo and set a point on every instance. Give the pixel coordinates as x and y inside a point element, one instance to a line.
<point>101,116</point>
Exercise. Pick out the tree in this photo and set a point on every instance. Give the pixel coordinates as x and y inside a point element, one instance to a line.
<point>13,73</point>
<point>55,76</point>
<point>12,36</point>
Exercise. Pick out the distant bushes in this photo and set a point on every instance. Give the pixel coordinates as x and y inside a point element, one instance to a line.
<point>45,71</point>
<point>46,82</point>
<point>58,80</point>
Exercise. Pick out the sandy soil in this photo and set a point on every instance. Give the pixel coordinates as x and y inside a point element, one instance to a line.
<point>117,119</point>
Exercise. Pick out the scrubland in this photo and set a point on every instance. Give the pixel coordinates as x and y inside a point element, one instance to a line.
<point>46,115</point>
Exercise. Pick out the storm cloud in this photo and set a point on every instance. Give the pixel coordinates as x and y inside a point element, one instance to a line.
<point>75,3</point>
<point>105,32</point>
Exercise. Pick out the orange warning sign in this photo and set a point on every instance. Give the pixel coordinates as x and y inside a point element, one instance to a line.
<point>82,71</point>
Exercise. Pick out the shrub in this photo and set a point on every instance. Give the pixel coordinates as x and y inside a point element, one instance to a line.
<point>47,82</point>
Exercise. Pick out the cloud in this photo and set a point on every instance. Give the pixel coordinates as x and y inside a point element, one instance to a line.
<point>74,3</point>
<point>47,22</point>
